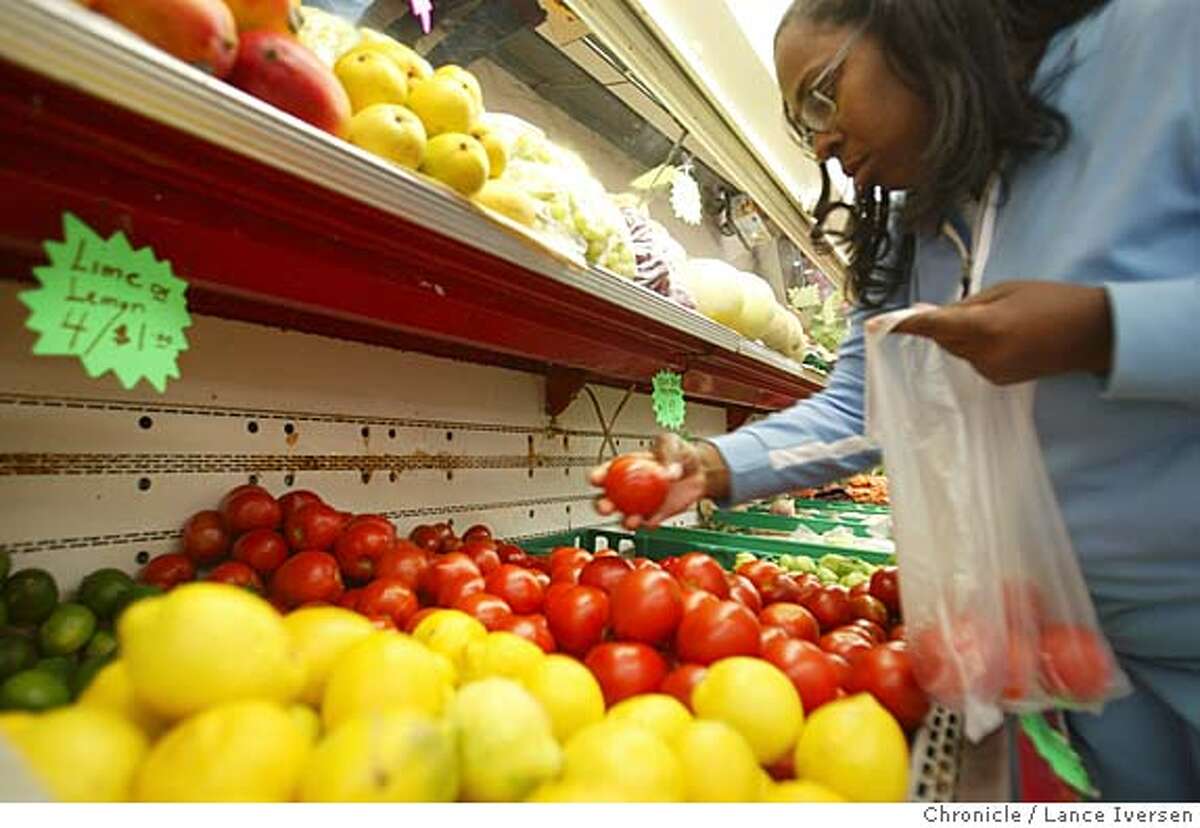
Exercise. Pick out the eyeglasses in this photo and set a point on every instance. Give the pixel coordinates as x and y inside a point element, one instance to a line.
<point>818,106</point>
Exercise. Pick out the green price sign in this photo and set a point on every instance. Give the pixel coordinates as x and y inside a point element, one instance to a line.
<point>115,308</point>
<point>670,408</point>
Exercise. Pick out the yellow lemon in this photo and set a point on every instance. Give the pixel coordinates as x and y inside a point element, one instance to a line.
<point>370,77</point>
<point>307,720</point>
<point>854,747</point>
<point>205,644</point>
<point>718,765</point>
<point>319,636</point>
<point>82,754</point>
<point>248,751</point>
<point>658,712</point>
<point>756,699</point>
<point>509,201</point>
<point>13,724</point>
<point>500,654</point>
<point>627,760</point>
<point>394,756</point>
<point>464,79</point>
<point>414,66</point>
<point>443,105</point>
<point>506,747</point>
<point>574,791</point>
<point>112,690</point>
<point>384,671</point>
<point>496,147</point>
<point>457,160</point>
<point>568,692</point>
<point>449,632</point>
<point>800,791</point>
<point>390,131</point>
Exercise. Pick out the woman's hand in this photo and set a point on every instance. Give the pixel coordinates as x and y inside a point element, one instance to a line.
<point>1018,331</point>
<point>695,470</point>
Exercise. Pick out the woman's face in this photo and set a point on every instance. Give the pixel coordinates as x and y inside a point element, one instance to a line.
<point>881,126</point>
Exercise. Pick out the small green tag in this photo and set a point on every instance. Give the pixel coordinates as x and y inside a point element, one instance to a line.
<point>116,308</point>
<point>1058,753</point>
<point>670,408</point>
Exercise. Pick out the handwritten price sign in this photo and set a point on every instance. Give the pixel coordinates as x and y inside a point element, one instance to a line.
<point>115,308</point>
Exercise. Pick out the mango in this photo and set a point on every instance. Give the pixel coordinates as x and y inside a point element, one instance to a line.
<point>200,32</point>
<point>265,15</point>
<point>282,72</point>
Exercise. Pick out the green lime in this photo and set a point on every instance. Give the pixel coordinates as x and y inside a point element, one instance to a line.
<point>5,564</point>
<point>103,643</point>
<point>17,653</point>
<point>33,690</point>
<point>62,666</point>
<point>67,629</point>
<point>87,671</point>
<point>102,590</point>
<point>136,593</point>
<point>30,595</point>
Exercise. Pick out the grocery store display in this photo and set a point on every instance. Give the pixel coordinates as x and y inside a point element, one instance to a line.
<point>438,667</point>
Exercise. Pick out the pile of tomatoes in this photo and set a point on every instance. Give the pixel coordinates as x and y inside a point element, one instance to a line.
<point>639,625</point>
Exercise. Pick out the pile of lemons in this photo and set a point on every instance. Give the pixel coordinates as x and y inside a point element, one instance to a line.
<point>217,697</point>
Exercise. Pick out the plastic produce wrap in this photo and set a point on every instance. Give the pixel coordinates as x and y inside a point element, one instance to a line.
<point>659,258</point>
<point>997,614</point>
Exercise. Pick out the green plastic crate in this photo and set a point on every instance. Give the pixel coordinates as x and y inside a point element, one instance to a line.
<point>783,523</point>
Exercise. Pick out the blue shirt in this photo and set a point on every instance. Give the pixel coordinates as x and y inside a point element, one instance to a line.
<point>1118,206</point>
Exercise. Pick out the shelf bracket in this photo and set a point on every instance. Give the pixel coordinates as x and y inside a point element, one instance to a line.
<point>562,387</point>
<point>735,417</point>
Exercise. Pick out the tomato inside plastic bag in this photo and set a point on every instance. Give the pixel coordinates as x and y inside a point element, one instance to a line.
<point>997,613</point>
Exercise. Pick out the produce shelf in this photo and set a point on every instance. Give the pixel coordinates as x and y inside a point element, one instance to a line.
<point>783,523</point>
<point>275,222</point>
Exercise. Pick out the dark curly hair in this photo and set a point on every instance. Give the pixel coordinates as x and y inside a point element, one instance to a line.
<point>971,60</point>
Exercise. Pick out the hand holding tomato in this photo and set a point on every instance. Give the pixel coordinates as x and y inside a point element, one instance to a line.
<point>690,471</point>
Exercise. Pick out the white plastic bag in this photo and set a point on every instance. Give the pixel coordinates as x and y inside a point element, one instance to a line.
<point>997,615</point>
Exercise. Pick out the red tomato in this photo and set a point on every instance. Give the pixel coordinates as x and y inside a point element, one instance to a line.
<point>416,620</point>
<point>715,631</point>
<point>359,548</point>
<point>1024,605</point>
<point>314,526</point>
<point>205,539</point>
<point>784,770</point>
<point>768,634</point>
<point>869,608</point>
<point>532,628</point>
<point>262,549</point>
<point>781,590</point>
<point>831,607</point>
<point>625,669</point>
<point>743,591</point>
<point>489,610</point>
<point>605,572</point>
<point>509,551</point>
<point>808,584</point>
<point>863,588</point>
<point>349,599</point>
<point>877,634</point>
<point>645,563</point>
<point>238,574</point>
<point>478,532</point>
<point>811,672</point>
<point>484,554</point>
<point>517,587</point>
<point>681,681</point>
<point>296,498</point>
<point>390,597</point>
<point>1074,663</point>
<point>841,667</point>
<point>760,573</point>
<point>897,633</point>
<point>795,620</point>
<point>969,657</point>
<point>449,542</point>
<point>695,598</point>
<point>555,588</point>
<point>566,574</point>
<point>250,508</point>
<point>309,575</point>
<point>378,520</point>
<point>406,561</point>
<point>568,556</point>
<point>578,617</point>
<point>454,590</point>
<point>885,585</point>
<point>443,570</point>
<point>426,537</point>
<point>167,571</point>
<point>636,485</point>
<point>846,643</point>
<point>886,673</point>
<point>700,571</point>
<point>647,606</point>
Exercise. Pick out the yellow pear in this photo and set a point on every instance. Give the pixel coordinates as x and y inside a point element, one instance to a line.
<point>468,82</point>
<point>497,148</point>
<point>509,201</point>
<point>414,66</point>
<point>390,131</point>
<point>443,104</point>
<point>457,159</point>
<point>370,77</point>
